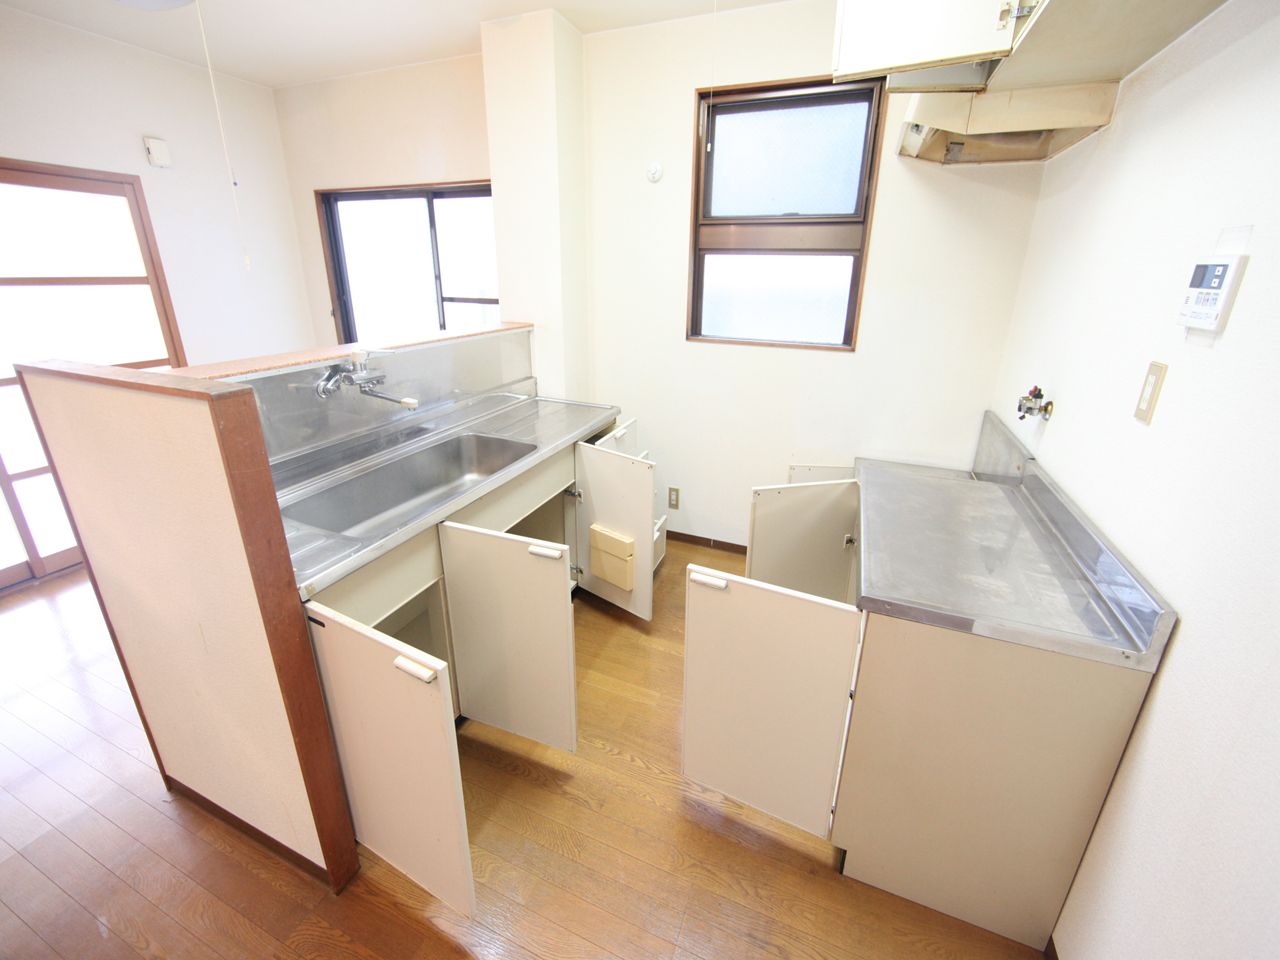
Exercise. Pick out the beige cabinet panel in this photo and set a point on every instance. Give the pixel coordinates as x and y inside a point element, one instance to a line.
<point>975,769</point>
<point>391,709</point>
<point>801,536</point>
<point>617,494</point>
<point>766,693</point>
<point>512,624</point>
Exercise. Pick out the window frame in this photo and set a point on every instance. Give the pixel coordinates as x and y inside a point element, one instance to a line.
<point>51,176</point>
<point>822,234</point>
<point>334,258</point>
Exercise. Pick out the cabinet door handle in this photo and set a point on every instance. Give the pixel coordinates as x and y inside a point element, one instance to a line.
<point>415,669</point>
<point>546,553</point>
<point>715,583</point>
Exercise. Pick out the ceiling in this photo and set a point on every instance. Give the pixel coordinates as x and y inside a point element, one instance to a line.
<point>282,42</point>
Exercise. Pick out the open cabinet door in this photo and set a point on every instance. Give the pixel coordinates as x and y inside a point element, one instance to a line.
<point>802,536</point>
<point>511,615</point>
<point>767,674</point>
<point>617,497</point>
<point>391,710</point>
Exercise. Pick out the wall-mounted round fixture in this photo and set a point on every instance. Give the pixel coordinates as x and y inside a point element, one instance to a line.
<point>654,172</point>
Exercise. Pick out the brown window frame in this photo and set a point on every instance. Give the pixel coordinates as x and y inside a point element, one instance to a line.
<point>844,235</point>
<point>80,180</point>
<point>334,259</point>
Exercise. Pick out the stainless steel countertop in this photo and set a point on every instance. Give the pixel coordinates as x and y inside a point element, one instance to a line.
<point>321,558</point>
<point>1001,559</point>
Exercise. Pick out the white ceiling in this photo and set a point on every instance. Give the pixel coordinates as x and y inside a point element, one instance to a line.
<point>281,42</point>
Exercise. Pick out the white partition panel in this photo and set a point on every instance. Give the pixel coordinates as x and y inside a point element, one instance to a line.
<point>767,674</point>
<point>391,708</point>
<point>512,619</point>
<point>802,536</point>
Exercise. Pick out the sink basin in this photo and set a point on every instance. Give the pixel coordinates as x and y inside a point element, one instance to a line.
<point>376,503</point>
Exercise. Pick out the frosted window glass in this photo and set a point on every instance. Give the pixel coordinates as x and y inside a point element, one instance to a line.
<point>466,316</point>
<point>12,550</point>
<point>20,448</point>
<point>66,233</point>
<point>793,297</point>
<point>468,253</point>
<point>45,516</point>
<point>802,160</point>
<point>387,247</point>
<point>107,324</point>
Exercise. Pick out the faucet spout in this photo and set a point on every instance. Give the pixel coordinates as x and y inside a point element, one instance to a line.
<point>409,403</point>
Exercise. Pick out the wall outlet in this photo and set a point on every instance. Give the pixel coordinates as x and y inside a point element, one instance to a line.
<point>673,498</point>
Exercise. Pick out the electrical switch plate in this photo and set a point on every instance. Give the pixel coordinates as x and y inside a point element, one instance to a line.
<point>1150,391</point>
<point>673,498</point>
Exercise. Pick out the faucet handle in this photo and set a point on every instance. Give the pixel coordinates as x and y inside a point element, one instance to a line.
<point>409,403</point>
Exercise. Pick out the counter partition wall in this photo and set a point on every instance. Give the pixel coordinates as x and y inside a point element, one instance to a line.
<point>167,481</point>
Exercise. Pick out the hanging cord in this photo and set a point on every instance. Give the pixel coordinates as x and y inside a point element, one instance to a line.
<point>222,134</point>
<point>715,35</point>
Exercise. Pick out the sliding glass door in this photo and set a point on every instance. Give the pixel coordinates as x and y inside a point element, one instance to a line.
<point>79,280</point>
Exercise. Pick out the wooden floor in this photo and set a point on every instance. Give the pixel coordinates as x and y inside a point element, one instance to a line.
<point>605,853</point>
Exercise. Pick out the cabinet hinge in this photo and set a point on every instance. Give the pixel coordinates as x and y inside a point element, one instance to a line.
<point>574,570</point>
<point>576,494</point>
<point>1014,11</point>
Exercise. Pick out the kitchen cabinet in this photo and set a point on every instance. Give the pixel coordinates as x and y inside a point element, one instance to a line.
<point>485,632</point>
<point>974,771</point>
<point>300,641</point>
<point>949,701</point>
<point>873,39</point>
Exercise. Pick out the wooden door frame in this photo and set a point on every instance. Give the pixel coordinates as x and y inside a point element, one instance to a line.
<point>82,180</point>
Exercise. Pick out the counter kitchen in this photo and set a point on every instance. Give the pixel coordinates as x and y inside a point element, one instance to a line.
<point>311,566</point>
<point>434,541</point>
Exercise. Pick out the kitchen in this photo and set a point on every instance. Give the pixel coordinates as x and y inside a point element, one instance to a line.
<point>973,290</point>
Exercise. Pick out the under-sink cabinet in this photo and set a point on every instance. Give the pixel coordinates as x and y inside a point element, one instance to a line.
<point>474,618</point>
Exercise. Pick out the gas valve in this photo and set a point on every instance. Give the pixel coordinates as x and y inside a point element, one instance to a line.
<point>1034,405</point>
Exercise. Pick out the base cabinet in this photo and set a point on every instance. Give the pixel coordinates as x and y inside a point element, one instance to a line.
<point>975,769</point>
<point>474,619</point>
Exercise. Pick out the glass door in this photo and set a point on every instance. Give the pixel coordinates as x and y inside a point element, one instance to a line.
<point>79,280</point>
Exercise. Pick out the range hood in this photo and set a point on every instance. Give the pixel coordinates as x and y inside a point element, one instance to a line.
<point>1004,126</point>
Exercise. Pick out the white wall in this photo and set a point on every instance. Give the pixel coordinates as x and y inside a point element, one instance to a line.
<point>411,125</point>
<point>533,80</point>
<point>945,249</point>
<point>1183,863</point>
<point>69,97</point>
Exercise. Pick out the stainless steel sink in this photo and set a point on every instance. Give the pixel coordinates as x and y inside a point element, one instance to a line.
<point>385,498</point>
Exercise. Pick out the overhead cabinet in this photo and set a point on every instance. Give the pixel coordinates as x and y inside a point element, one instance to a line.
<point>874,39</point>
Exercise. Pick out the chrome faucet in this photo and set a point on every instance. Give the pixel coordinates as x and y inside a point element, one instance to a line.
<point>356,373</point>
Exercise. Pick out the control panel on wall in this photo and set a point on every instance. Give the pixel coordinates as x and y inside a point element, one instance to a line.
<point>1208,296</point>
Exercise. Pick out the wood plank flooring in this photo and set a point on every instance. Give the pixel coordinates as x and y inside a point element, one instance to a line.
<point>606,853</point>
